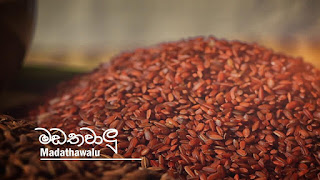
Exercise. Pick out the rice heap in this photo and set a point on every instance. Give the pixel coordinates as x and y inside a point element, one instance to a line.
<point>201,108</point>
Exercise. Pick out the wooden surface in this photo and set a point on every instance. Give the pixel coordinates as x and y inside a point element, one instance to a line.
<point>86,60</point>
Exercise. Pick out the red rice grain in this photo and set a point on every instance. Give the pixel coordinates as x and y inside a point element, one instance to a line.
<point>202,108</point>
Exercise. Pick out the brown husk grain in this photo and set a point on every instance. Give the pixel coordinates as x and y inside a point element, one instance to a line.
<point>19,158</point>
